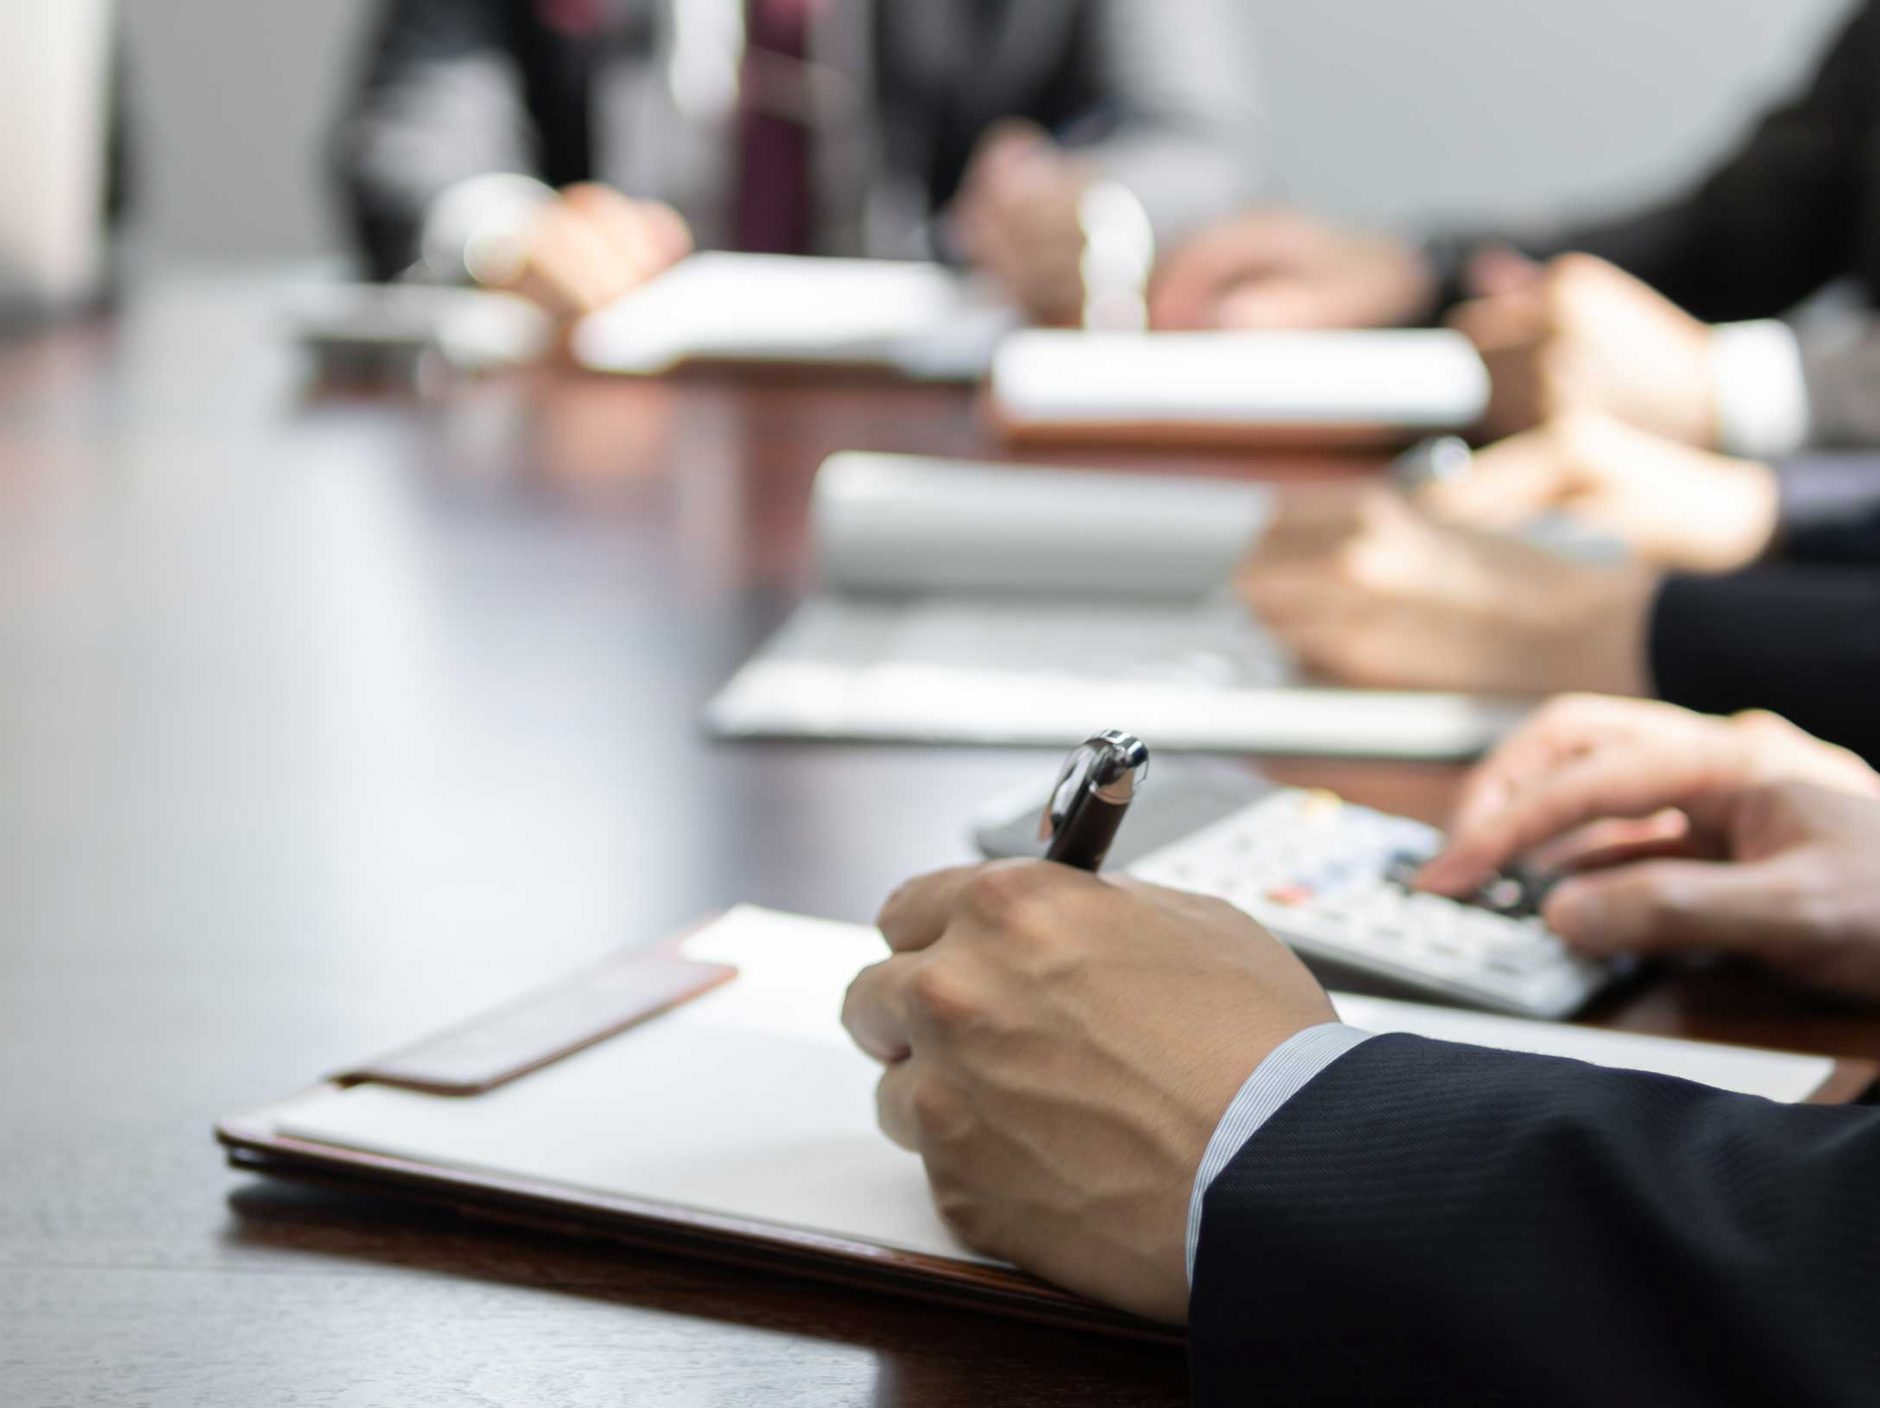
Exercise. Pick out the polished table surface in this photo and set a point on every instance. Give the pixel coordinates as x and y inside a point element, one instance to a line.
<point>326,719</point>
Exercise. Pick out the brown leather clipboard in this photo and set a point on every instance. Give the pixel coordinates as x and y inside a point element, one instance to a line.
<point>604,1003</point>
<point>1250,435</point>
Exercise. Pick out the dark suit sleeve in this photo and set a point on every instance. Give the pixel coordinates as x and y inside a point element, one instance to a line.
<point>1771,225</point>
<point>1799,638</point>
<point>441,97</point>
<point>1436,1224</point>
<point>1836,491</point>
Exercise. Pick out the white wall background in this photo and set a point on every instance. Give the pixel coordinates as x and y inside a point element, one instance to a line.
<point>232,100</point>
<point>1381,108</point>
<point>1401,107</point>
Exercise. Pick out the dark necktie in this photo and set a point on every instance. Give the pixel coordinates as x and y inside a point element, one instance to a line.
<point>579,19</point>
<point>775,194</point>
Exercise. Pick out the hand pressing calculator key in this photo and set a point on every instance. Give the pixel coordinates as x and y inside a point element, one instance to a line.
<point>1334,880</point>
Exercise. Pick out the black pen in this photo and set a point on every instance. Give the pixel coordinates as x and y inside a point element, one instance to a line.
<point>1092,796</point>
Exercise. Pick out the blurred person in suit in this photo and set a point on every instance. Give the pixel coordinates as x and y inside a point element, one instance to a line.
<point>1140,1095</point>
<point>572,148</point>
<point>1668,323</point>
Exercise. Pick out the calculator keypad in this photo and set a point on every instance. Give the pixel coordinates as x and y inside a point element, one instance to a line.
<point>1334,881</point>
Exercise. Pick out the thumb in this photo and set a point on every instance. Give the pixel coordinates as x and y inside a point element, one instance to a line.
<point>1664,906</point>
<point>1504,486</point>
<point>1498,271</point>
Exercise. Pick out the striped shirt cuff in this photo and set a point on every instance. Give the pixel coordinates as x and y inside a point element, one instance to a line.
<point>477,230</point>
<point>1286,1071</point>
<point>1762,393</point>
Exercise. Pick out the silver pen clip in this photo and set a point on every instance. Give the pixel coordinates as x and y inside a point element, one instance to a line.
<point>1110,765</point>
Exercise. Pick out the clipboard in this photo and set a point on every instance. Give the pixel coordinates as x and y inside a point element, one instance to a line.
<point>595,1015</point>
<point>607,1003</point>
<point>1023,431</point>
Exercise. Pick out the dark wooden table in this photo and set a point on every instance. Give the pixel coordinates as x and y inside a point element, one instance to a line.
<point>324,720</point>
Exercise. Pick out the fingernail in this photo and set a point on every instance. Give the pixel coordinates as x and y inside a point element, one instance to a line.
<point>1444,875</point>
<point>1479,812</point>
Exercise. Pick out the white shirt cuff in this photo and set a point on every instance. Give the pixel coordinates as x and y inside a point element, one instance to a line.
<point>1286,1071</point>
<point>477,230</point>
<point>1762,395</point>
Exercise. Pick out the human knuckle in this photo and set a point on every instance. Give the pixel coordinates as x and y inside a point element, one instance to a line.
<point>854,998</point>
<point>1360,566</point>
<point>1343,657</point>
<point>967,1215</point>
<point>936,990</point>
<point>936,1107</point>
<point>1580,702</point>
<point>1765,802</point>
<point>1375,508</point>
<point>1790,889</point>
<point>1822,918</point>
<point>1569,711</point>
<point>1573,273</point>
<point>1257,589</point>
<point>1558,710</point>
<point>1559,393</point>
<point>1313,655</point>
<point>891,906</point>
<point>1762,723</point>
<point>1553,369</point>
<point>1010,898</point>
<point>1365,669</point>
<point>1669,901</point>
<point>1580,435</point>
<point>1218,914</point>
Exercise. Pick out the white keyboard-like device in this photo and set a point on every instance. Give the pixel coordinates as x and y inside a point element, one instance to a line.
<point>1330,879</point>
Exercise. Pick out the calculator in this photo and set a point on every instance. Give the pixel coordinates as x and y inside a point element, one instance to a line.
<point>1333,880</point>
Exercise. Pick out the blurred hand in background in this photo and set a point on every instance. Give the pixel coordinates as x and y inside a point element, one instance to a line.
<point>1366,590</point>
<point>1016,218</point>
<point>1677,506</point>
<point>590,246</point>
<point>1578,336</point>
<point>1281,269</point>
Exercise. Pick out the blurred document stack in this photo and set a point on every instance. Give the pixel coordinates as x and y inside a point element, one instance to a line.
<point>972,603</point>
